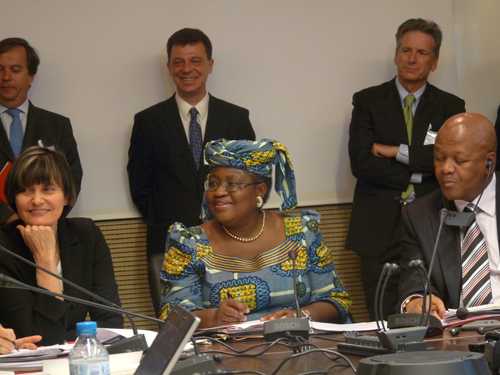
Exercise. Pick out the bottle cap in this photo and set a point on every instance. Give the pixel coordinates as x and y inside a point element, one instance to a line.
<point>86,328</point>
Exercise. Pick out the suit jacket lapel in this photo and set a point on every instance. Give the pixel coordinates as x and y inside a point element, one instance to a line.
<point>30,132</point>
<point>5,144</point>
<point>394,112</point>
<point>449,257</point>
<point>186,169</point>
<point>214,124</point>
<point>423,114</point>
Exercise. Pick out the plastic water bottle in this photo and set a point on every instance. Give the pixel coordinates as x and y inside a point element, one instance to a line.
<point>88,356</point>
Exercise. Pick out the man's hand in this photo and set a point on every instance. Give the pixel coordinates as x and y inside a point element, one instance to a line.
<point>437,306</point>
<point>384,151</point>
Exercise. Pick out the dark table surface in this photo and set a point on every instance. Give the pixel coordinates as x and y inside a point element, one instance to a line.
<point>268,362</point>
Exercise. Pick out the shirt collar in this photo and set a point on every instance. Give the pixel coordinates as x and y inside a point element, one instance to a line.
<point>23,107</point>
<point>185,107</point>
<point>487,204</point>
<point>403,93</point>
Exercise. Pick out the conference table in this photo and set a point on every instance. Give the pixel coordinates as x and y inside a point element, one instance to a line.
<point>307,363</point>
<point>267,363</point>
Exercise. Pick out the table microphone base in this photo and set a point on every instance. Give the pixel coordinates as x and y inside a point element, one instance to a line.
<point>135,343</point>
<point>425,362</point>
<point>286,327</point>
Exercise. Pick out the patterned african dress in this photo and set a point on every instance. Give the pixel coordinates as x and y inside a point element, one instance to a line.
<point>197,277</point>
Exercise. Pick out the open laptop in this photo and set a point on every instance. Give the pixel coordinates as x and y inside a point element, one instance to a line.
<point>168,345</point>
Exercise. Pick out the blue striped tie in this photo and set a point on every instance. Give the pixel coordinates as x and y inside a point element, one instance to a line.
<point>195,136</point>
<point>16,131</point>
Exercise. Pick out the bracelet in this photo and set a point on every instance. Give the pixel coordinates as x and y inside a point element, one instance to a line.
<point>408,300</point>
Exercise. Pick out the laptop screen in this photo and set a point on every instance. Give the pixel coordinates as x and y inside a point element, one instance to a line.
<point>165,350</point>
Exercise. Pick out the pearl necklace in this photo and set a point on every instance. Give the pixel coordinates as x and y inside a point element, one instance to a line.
<point>247,239</point>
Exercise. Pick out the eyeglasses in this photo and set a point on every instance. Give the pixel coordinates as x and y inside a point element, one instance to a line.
<point>229,186</point>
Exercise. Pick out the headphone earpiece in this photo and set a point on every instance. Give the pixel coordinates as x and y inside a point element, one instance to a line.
<point>489,164</point>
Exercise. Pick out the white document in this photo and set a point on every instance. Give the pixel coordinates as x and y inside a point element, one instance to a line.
<point>350,327</point>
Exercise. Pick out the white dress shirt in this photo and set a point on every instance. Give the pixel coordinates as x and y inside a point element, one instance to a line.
<point>184,108</point>
<point>486,218</point>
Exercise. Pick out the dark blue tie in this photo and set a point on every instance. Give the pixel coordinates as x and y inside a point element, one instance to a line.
<point>16,131</point>
<point>195,136</point>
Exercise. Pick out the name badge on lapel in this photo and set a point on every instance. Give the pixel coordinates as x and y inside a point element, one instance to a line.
<point>430,136</point>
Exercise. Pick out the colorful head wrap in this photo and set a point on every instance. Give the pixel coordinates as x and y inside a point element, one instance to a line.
<point>257,157</point>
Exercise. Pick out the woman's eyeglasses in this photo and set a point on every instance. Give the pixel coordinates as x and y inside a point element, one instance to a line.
<point>229,186</point>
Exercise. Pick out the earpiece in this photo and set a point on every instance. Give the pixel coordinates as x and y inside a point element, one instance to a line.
<point>489,165</point>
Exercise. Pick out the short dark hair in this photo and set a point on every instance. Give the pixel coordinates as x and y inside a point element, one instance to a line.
<point>31,56</point>
<point>425,26</point>
<point>189,36</point>
<point>40,165</point>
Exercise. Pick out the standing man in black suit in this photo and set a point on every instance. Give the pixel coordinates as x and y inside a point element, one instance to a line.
<point>24,125</point>
<point>466,270</point>
<point>165,166</point>
<point>391,140</point>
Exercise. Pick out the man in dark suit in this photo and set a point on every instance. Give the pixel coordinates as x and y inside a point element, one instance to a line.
<point>21,123</point>
<point>391,139</point>
<point>165,165</point>
<point>466,270</point>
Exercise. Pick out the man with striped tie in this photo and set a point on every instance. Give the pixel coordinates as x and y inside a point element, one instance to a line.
<point>466,271</point>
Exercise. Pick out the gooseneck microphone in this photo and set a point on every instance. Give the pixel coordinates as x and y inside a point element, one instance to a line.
<point>293,256</point>
<point>136,341</point>
<point>125,345</point>
<point>442,217</point>
<point>289,327</point>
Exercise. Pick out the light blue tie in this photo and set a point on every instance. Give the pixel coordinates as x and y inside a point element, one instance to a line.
<point>195,136</point>
<point>16,131</point>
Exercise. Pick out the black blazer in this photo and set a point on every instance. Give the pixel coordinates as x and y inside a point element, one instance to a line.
<point>85,260</point>
<point>377,117</point>
<point>420,222</point>
<point>53,130</point>
<point>164,183</point>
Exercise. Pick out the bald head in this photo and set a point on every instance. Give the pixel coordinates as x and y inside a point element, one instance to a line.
<point>465,155</point>
<point>472,127</point>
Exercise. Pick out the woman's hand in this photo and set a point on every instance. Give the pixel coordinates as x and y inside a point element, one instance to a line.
<point>8,341</point>
<point>230,311</point>
<point>437,306</point>
<point>41,240</point>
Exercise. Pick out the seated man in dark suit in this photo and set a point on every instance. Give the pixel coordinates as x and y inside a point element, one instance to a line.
<point>391,138</point>
<point>165,166</point>
<point>21,123</point>
<point>466,270</point>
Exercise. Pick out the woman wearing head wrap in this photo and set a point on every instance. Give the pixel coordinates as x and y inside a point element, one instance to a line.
<point>238,264</point>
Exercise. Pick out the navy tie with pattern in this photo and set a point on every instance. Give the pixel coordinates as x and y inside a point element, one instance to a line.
<point>16,131</point>
<point>195,140</point>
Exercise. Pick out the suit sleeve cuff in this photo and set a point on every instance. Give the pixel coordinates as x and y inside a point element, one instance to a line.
<point>416,178</point>
<point>403,155</point>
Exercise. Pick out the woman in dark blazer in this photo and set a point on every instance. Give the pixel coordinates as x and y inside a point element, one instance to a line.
<point>40,190</point>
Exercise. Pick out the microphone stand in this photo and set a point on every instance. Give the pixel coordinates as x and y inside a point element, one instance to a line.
<point>135,343</point>
<point>138,340</point>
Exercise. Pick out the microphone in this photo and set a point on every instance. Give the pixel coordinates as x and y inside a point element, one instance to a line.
<point>293,256</point>
<point>442,217</point>
<point>289,327</point>
<point>134,341</point>
<point>125,345</point>
<point>464,312</point>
